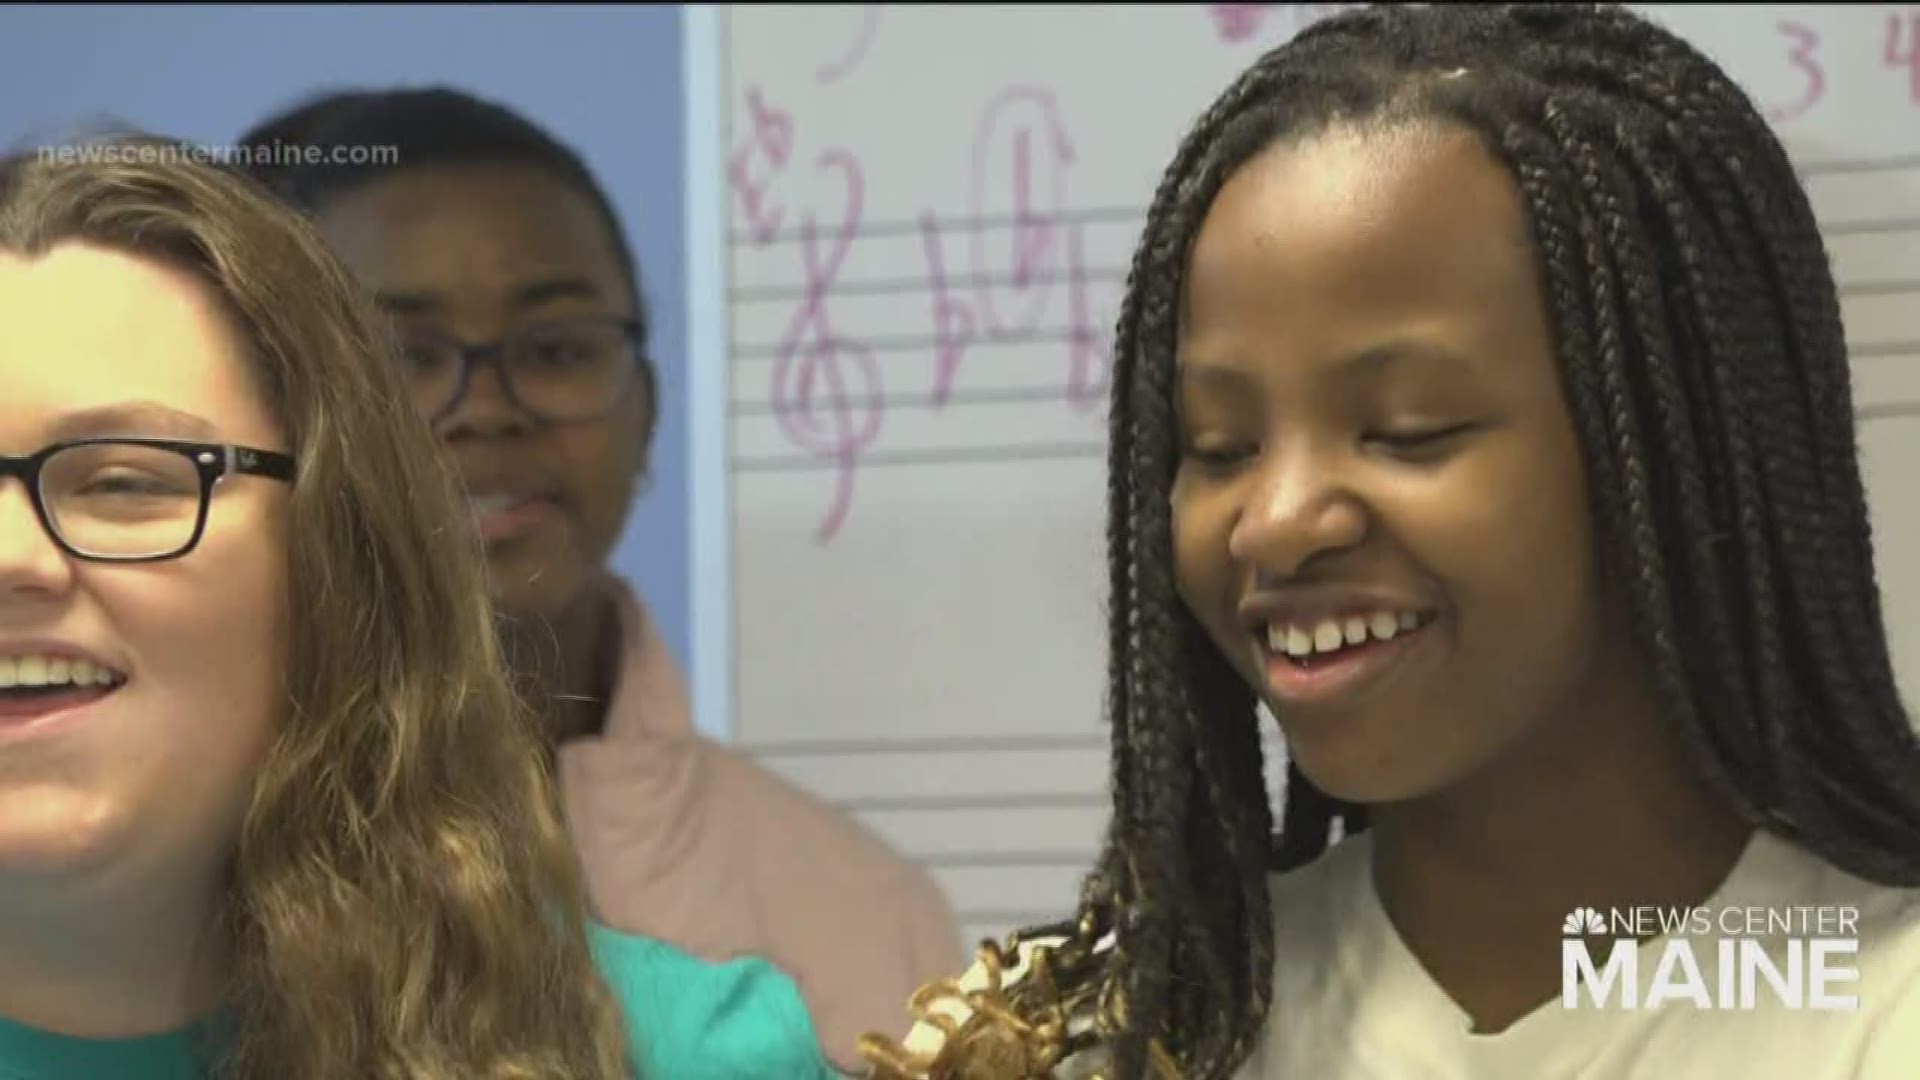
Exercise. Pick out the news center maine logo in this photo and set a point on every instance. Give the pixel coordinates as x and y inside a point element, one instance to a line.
<point>1725,958</point>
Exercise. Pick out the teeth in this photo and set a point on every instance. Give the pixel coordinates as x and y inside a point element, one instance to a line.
<point>1328,636</point>
<point>37,671</point>
<point>489,504</point>
<point>1331,635</point>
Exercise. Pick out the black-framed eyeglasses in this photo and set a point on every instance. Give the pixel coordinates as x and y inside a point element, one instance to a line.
<point>133,500</point>
<point>563,371</point>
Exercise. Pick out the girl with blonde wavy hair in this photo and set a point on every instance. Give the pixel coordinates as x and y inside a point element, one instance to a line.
<point>268,805</point>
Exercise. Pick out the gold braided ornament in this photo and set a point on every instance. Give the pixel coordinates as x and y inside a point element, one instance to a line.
<point>1020,1028</point>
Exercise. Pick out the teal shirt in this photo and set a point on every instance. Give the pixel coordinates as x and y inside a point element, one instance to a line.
<point>687,1019</point>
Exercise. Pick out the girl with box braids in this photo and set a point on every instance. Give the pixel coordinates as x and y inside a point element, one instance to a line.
<point>1698,333</point>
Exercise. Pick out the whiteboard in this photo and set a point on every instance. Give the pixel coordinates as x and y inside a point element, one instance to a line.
<point>930,212</point>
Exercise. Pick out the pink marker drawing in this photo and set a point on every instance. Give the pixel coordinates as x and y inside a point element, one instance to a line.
<point>826,390</point>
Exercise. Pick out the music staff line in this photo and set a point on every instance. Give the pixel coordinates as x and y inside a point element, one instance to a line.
<point>916,285</point>
<point>1012,395</point>
<point>1005,920</point>
<point>1843,166</point>
<point>1096,738</point>
<point>1098,215</point>
<point>748,239</point>
<point>970,455</point>
<point>993,860</point>
<point>919,344</point>
<point>1026,802</point>
<point>1088,451</point>
<point>1039,800</point>
<point>898,286</point>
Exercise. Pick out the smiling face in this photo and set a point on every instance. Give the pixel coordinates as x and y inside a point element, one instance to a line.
<point>152,775</point>
<point>1380,513</point>
<point>472,253</point>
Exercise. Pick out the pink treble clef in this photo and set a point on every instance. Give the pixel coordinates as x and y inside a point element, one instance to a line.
<point>826,390</point>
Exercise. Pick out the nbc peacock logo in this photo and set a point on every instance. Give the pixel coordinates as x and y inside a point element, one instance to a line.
<point>1582,921</point>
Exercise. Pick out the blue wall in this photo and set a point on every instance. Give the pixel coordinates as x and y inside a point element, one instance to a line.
<point>606,80</point>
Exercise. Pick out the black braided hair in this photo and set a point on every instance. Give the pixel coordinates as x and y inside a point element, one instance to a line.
<point>428,127</point>
<point>1698,331</point>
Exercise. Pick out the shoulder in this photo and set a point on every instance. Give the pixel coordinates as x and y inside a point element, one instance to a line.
<point>1882,920</point>
<point>1888,939</point>
<point>1889,987</point>
<point>1877,927</point>
<point>649,690</point>
<point>687,1017</point>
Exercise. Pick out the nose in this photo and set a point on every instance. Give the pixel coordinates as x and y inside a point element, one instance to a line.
<point>31,564</point>
<point>485,407</point>
<point>1300,509</point>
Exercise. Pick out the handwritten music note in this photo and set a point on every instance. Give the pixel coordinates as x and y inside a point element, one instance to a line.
<point>1009,269</point>
<point>1033,177</point>
<point>953,322</point>
<point>1089,350</point>
<point>752,167</point>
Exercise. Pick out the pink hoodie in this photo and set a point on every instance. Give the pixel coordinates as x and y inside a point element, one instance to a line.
<point>694,844</point>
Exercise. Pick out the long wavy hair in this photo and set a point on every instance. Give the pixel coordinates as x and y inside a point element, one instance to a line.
<point>402,900</point>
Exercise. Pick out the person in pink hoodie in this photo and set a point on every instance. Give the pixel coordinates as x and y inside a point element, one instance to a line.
<point>524,328</point>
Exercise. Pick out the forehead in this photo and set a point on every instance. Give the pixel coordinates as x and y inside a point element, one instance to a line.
<point>473,230</point>
<point>83,327</point>
<point>1357,221</point>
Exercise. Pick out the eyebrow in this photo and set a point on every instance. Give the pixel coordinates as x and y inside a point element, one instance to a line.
<point>547,290</point>
<point>1376,360</point>
<point>134,418</point>
<point>1370,363</point>
<point>529,294</point>
<point>1204,375</point>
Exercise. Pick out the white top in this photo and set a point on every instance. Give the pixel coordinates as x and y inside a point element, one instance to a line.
<point>1352,1003</point>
